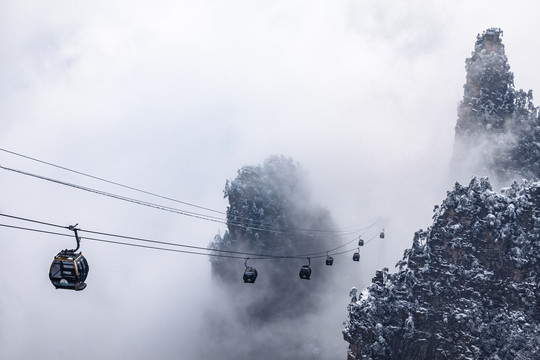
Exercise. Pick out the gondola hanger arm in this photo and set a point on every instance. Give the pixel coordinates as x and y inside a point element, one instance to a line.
<point>77,238</point>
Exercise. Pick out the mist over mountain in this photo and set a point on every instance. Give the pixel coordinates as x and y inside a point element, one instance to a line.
<point>270,212</point>
<point>468,286</point>
<point>498,126</point>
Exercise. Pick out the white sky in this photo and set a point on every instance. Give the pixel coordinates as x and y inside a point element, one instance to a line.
<point>174,97</point>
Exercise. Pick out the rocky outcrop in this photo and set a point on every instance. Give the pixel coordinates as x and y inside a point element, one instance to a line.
<point>498,126</point>
<point>271,212</point>
<point>489,95</point>
<point>466,289</point>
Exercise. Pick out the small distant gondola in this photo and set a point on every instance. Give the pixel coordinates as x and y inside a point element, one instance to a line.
<point>381,235</point>
<point>356,255</point>
<point>305,271</point>
<point>360,242</point>
<point>329,260</point>
<point>250,274</point>
<point>69,268</point>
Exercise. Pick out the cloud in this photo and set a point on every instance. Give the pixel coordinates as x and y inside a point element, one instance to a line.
<point>174,97</point>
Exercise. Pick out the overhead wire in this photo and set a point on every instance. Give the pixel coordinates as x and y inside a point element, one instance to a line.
<point>208,251</point>
<point>115,196</point>
<point>122,243</point>
<point>257,225</point>
<point>109,181</point>
<point>239,255</point>
<point>131,237</point>
<point>184,248</point>
<point>34,221</point>
<point>298,232</point>
<point>367,242</point>
<point>260,255</point>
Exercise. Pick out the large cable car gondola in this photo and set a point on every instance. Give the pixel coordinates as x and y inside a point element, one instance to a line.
<point>305,271</point>
<point>69,268</point>
<point>250,274</point>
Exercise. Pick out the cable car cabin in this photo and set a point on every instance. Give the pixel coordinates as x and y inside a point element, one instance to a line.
<point>329,260</point>
<point>381,235</point>
<point>250,275</point>
<point>305,272</point>
<point>356,256</point>
<point>360,242</point>
<point>69,270</point>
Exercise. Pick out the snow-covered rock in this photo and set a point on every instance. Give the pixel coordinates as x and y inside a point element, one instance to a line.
<point>466,289</point>
<point>498,126</point>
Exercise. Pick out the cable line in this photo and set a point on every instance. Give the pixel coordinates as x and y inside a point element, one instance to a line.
<point>34,221</point>
<point>119,197</point>
<point>124,243</point>
<point>69,268</point>
<point>34,230</point>
<point>259,224</point>
<point>181,245</point>
<point>133,238</point>
<point>209,251</point>
<point>177,211</point>
<point>263,257</point>
<point>343,245</point>
<point>111,182</point>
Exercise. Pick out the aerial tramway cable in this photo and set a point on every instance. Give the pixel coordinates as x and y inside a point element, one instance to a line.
<point>75,268</point>
<point>69,268</point>
<point>220,252</point>
<point>298,232</point>
<point>259,225</point>
<point>110,182</point>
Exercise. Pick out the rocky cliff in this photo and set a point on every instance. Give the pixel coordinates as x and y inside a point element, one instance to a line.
<point>466,289</point>
<point>271,211</point>
<point>498,126</point>
<point>468,286</point>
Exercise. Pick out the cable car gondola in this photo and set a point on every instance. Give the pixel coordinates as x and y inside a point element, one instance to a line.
<point>356,256</point>
<point>305,271</point>
<point>381,235</point>
<point>250,274</point>
<point>360,242</point>
<point>69,268</point>
<point>329,260</point>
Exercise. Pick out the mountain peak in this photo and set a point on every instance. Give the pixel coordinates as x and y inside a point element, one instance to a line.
<point>490,41</point>
<point>468,288</point>
<point>488,99</point>
<point>497,126</point>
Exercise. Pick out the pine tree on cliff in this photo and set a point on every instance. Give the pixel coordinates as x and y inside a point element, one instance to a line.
<point>525,155</point>
<point>497,125</point>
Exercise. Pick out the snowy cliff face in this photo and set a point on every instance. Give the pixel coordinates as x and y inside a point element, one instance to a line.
<point>498,127</point>
<point>467,289</point>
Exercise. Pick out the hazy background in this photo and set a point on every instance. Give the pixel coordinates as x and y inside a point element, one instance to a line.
<point>175,96</point>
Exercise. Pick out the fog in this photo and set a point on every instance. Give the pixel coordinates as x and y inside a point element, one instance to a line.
<point>174,97</point>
